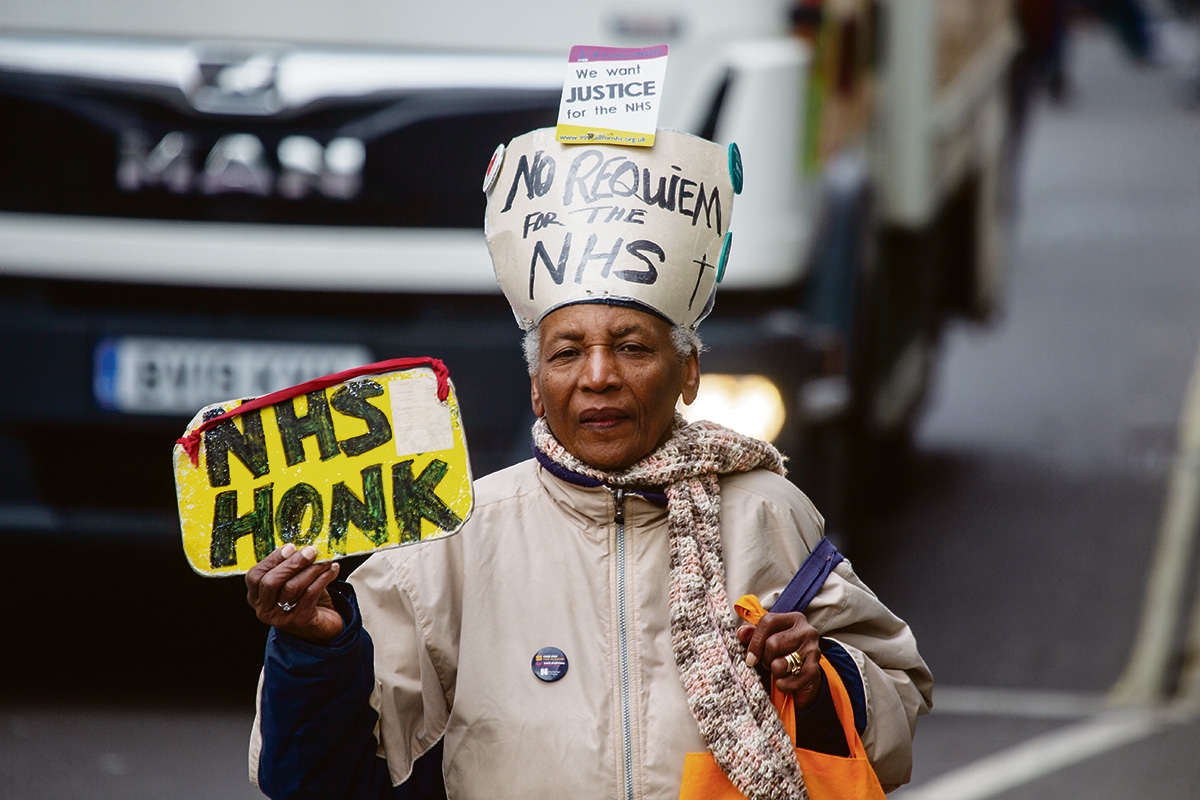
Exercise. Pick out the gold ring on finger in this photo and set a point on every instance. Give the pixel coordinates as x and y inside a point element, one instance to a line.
<point>795,662</point>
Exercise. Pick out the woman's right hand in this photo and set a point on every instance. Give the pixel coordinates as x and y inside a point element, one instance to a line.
<point>288,591</point>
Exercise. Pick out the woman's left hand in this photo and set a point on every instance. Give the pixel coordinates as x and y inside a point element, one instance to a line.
<point>773,640</point>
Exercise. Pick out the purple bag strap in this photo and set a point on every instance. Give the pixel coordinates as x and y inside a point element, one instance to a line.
<point>809,579</point>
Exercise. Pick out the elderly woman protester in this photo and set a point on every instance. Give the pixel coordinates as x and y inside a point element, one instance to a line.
<point>577,637</point>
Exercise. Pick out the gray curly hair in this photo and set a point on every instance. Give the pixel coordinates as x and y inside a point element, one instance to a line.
<point>683,340</point>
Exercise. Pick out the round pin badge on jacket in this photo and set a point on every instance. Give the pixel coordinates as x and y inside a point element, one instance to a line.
<point>549,664</point>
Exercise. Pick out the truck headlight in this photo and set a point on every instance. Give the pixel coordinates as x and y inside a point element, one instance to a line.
<point>749,404</point>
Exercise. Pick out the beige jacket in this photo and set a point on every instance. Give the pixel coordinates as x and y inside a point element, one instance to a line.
<point>456,624</point>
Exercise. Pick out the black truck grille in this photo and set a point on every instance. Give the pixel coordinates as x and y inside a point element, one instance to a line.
<point>414,160</point>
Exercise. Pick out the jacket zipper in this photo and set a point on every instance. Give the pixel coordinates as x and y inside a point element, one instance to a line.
<point>623,642</point>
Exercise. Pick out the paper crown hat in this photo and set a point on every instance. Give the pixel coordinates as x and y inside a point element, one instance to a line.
<point>597,223</point>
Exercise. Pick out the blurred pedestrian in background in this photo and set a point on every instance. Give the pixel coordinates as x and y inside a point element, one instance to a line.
<point>1044,27</point>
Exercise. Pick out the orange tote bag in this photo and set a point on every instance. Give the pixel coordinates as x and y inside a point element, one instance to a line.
<point>827,777</point>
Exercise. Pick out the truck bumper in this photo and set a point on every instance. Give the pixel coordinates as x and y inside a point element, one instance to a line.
<point>71,465</point>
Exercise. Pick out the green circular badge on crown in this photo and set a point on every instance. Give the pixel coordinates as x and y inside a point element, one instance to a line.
<point>735,167</point>
<point>725,245</point>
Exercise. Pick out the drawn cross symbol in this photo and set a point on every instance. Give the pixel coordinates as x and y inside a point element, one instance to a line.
<point>415,500</point>
<point>703,262</point>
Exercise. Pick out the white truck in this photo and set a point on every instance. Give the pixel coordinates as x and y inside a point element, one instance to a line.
<point>207,200</point>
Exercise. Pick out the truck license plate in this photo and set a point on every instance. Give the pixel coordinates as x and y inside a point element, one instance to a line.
<point>141,375</point>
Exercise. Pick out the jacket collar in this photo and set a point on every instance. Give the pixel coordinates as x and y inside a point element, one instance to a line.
<point>655,495</point>
<point>593,508</point>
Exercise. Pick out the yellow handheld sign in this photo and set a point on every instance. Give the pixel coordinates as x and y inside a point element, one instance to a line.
<point>363,460</point>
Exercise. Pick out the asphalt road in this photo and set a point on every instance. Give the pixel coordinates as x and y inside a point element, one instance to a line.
<point>1019,548</point>
<point>1024,540</point>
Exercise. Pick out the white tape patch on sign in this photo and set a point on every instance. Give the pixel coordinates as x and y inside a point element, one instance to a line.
<point>420,423</point>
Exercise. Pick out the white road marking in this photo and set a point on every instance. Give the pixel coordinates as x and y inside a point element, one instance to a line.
<point>1025,703</point>
<point>1144,679</point>
<point>1039,756</point>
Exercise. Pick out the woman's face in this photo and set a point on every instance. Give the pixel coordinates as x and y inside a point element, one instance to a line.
<point>608,380</point>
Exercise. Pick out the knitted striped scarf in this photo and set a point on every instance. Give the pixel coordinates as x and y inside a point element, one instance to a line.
<point>733,711</point>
